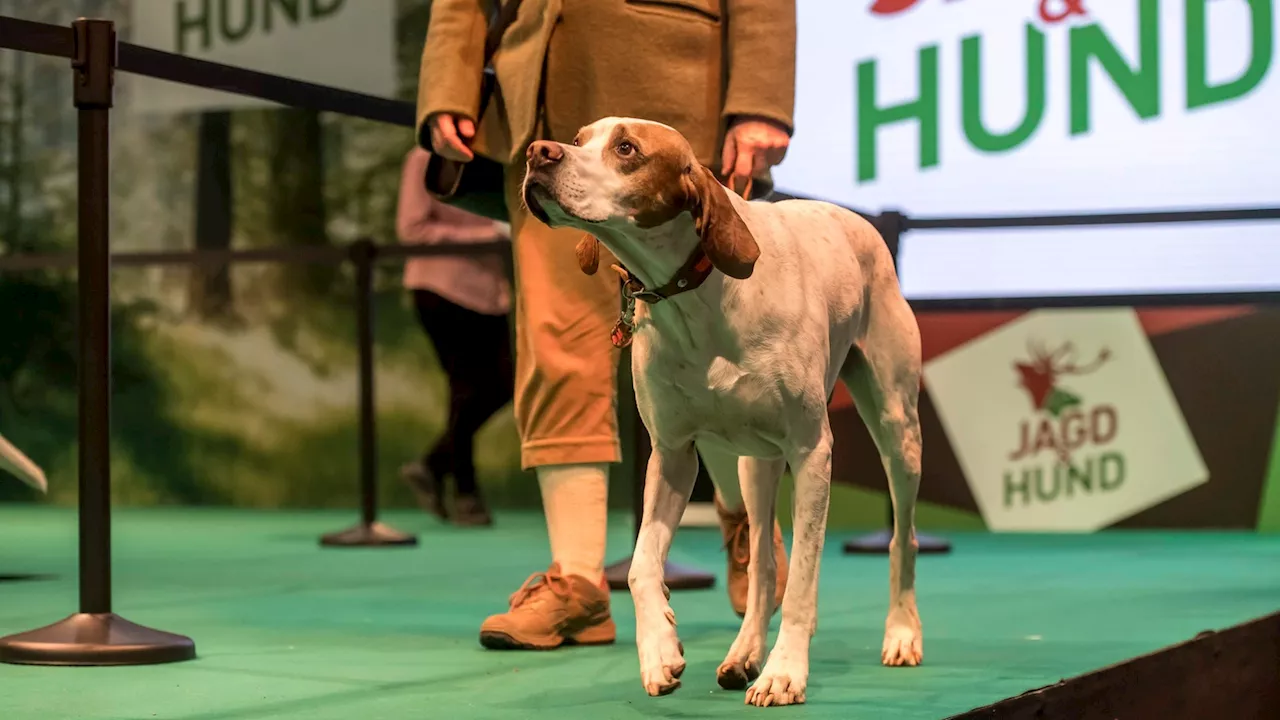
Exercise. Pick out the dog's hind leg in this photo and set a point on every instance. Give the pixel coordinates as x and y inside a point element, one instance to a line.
<point>786,673</point>
<point>668,483</point>
<point>722,467</point>
<point>759,484</point>
<point>884,379</point>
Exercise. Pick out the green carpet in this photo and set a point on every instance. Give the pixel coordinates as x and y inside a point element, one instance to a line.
<point>285,629</point>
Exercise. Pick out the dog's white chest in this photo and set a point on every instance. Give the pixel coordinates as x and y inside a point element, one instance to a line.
<point>714,401</point>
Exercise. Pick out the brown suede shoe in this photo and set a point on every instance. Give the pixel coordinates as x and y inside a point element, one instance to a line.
<point>737,542</point>
<point>470,511</point>
<point>550,610</point>
<point>427,489</point>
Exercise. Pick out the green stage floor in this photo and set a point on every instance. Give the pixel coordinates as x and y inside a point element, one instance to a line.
<point>285,629</point>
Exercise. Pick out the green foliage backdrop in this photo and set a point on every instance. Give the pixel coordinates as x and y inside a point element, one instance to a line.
<point>232,387</point>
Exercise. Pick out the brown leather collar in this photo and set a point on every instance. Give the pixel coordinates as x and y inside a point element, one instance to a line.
<point>693,273</point>
<point>690,276</point>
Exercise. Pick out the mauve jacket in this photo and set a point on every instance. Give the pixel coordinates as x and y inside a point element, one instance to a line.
<point>477,283</point>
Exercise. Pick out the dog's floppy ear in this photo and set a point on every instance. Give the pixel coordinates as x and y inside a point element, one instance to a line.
<point>725,237</point>
<point>589,254</point>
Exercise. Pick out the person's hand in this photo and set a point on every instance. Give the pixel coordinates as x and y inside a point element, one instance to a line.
<point>752,146</point>
<point>450,136</point>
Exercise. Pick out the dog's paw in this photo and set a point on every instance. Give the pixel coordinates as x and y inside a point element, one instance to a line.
<point>661,659</point>
<point>661,668</point>
<point>783,682</point>
<point>903,642</point>
<point>743,662</point>
<point>737,674</point>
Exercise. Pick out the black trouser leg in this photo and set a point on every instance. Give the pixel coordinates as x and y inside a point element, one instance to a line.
<point>475,352</point>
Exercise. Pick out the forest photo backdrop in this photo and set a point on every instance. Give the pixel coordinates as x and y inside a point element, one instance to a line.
<point>234,386</point>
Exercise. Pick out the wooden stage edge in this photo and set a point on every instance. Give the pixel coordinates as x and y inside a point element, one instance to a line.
<point>1228,673</point>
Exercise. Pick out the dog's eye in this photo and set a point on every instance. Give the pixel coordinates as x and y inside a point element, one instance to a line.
<point>626,149</point>
<point>576,142</point>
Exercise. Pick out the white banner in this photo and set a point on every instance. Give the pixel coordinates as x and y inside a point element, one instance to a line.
<point>347,44</point>
<point>1013,107</point>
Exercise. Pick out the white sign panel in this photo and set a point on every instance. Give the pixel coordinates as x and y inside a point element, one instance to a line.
<point>347,44</point>
<point>1016,107</point>
<point>1109,260</point>
<point>1064,421</point>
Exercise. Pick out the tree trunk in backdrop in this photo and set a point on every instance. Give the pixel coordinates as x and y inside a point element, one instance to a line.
<point>296,193</point>
<point>411,32</point>
<point>14,178</point>
<point>209,294</point>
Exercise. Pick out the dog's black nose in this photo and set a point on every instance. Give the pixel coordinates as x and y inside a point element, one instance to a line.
<point>542,153</point>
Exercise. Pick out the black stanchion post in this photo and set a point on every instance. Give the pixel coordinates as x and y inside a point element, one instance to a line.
<point>369,532</point>
<point>891,225</point>
<point>95,635</point>
<point>635,450</point>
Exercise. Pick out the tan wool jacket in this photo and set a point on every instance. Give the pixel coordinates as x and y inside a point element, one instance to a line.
<point>691,64</point>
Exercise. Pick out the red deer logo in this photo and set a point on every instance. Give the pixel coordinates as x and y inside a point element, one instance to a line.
<point>1039,377</point>
<point>1069,427</point>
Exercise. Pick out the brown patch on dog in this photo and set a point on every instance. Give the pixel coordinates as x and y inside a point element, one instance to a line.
<point>725,237</point>
<point>657,159</point>
<point>665,180</point>
<point>589,254</point>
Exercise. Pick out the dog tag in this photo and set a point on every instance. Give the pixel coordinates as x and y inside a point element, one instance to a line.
<point>622,330</point>
<point>621,335</point>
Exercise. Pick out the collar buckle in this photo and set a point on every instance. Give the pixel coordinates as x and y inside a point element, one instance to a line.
<point>648,296</point>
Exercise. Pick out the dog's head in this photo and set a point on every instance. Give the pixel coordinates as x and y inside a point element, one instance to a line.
<point>621,173</point>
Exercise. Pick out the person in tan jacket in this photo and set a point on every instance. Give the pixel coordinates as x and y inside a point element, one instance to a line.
<point>722,72</point>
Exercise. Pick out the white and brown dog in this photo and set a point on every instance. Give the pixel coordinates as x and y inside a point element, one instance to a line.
<point>741,363</point>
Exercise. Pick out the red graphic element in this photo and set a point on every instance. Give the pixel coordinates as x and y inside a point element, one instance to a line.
<point>1065,9</point>
<point>1051,11</point>
<point>892,7</point>
<point>1040,376</point>
<point>1040,379</point>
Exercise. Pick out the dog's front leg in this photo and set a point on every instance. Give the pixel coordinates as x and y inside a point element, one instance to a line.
<point>668,482</point>
<point>759,483</point>
<point>786,674</point>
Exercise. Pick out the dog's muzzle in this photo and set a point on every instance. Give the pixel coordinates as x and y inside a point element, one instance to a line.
<point>534,195</point>
<point>544,158</point>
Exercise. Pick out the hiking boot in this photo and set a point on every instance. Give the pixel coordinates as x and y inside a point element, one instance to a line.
<point>427,489</point>
<point>470,510</point>
<point>552,609</point>
<point>737,542</point>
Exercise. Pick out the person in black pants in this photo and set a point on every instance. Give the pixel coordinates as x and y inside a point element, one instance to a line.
<point>462,304</point>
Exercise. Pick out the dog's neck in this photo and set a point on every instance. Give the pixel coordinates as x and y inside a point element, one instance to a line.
<point>654,256</point>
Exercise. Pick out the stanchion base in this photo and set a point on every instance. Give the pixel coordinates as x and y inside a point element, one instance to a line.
<point>95,640</point>
<point>23,577</point>
<point>877,543</point>
<point>375,535</point>
<point>675,576</point>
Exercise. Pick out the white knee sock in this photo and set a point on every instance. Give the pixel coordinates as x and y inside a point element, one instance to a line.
<point>575,499</point>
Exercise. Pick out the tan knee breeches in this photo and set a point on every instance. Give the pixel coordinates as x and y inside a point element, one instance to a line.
<point>566,366</point>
